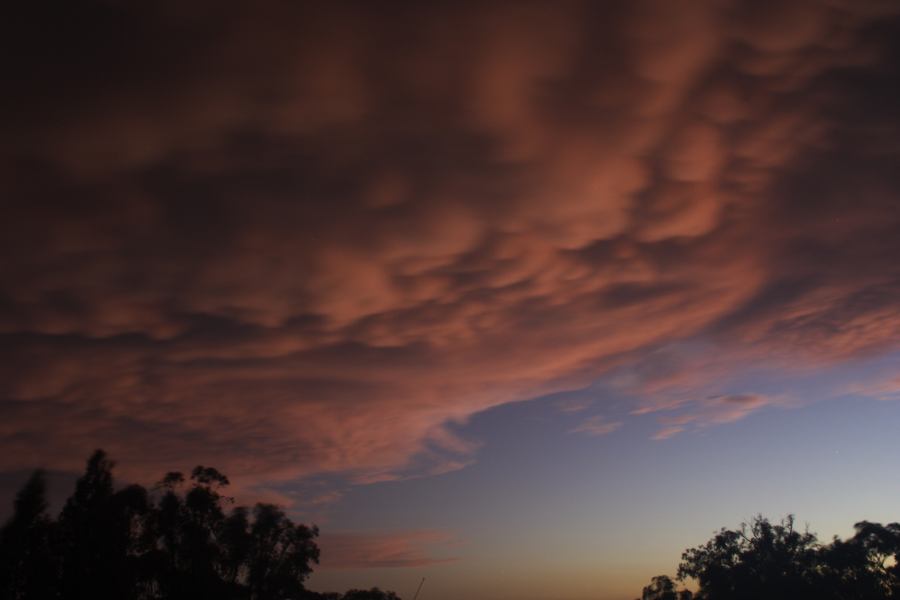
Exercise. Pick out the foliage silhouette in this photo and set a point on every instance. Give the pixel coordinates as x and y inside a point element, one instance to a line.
<point>776,562</point>
<point>372,594</point>
<point>177,541</point>
<point>27,565</point>
<point>663,588</point>
<point>183,540</point>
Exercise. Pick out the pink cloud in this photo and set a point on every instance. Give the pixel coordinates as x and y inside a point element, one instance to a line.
<point>667,432</point>
<point>575,405</point>
<point>885,388</point>
<point>597,426</point>
<point>298,250</point>
<point>383,550</point>
<point>715,410</point>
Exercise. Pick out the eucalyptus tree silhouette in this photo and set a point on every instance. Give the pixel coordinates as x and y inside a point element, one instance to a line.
<point>759,560</point>
<point>663,588</point>
<point>27,562</point>
<point>204,552</point>
<point>371,594</point>
<point>98,551</point>
<point>777,562</point>
<point>866,565</point>
<point>176,542</point>
<point>183,540</point>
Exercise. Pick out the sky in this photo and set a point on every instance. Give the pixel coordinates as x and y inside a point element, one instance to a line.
<point>521,297</point>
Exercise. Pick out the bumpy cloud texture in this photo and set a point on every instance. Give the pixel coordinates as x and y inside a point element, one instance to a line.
<point>291,239</point>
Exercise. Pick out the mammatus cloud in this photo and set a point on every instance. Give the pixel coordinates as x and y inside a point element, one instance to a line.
<point>282,243</point>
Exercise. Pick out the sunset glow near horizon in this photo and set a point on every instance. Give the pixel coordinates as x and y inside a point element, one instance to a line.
<point>524,298</point>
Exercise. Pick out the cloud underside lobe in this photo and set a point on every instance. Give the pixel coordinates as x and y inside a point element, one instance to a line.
<point>287,244</point>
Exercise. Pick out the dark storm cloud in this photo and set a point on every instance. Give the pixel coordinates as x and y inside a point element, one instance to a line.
<point>295,238</point>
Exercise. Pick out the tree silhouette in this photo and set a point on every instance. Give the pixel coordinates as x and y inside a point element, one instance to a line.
<point>759,560</point>
<point>184,540</point>
<point>99,551</point>
<point>663,588</point>
<point>181,540</point>
<point>775,561</point>
<point>866,565</point>
<point>27,564</point>
<point>372,594</point>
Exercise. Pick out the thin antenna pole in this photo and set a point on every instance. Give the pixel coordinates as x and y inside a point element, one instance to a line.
<point>419,589</point>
